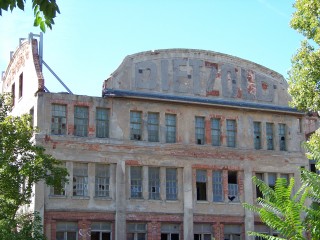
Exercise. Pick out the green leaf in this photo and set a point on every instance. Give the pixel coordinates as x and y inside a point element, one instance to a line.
<point>43,26</point>
<point>20,4</point>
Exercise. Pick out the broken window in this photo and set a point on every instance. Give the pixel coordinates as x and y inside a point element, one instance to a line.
<point>171,184</point>
<point>102,123</point>
<point>80,179</point>
<point>269,132</point>
<point>171,128</point>
<point>202,231</point>
<point>102,180</point>
<point>257,135</point>
<point>217,186</point>
<point>153,127</point>
<point>231,133</point>
<point>154,183</point>
<point>199,130</point>
<point>233,192</point>
<point>137,231</point>
<point>201,184</point>
<point>21,85</point>
<point>100,231</point>
<point>135,125</point>
<point>282,136</point>
<point>60,190</point>
<point>67,231</point>
<point>215,131</point>
<point>81,121</point>
<point>170,232</point>
<point>58,119</point>
<point>136,182</point>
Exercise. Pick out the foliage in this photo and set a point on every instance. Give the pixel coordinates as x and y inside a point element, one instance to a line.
<point>281,209</point>
<point>44,11</point>
<point>304,76</point>
<point>22,164</point>
<point>27,226</point>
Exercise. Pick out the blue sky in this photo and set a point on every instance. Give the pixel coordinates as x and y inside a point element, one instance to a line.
<point>90,40</point>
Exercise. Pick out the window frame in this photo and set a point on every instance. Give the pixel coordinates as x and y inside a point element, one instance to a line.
<point>231,127</point>
<point>154,183</point>
<point>257,135</point>
<point>102,122</point>
<point>171,128</point>
<point>200,130</point>
<point>136,125</point>
<point>217,186</point>
<point>136,182</point>
<point>58,121</point>
<point>270,135</point>
<point>215,132</point>
<point>153,124</point>
<point>171,184</point>
<point>102,180</point>
<point>282,137</point>
<point>81,121</point>
<point>80,180</point>
<point>201,185</point>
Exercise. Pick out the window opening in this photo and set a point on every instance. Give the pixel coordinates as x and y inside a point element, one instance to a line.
<point>201,184</point>
<point>231,133</point>
<point>170,232</point>
<point>203,232</point>
<point>102,123</point>
<point>136,182</point>
<point>67,231</point>
<point>232,232</point>
<point>58,191</point>
<point>215,132</point>
<point>217,186</point>
<point>154,183</point>
<point>171,128</point>
<point>102,180</point>
<point>58,119</point>
<point>135,125</point>
<point>258,192</point>
<point>100,231</point>
<point>20,85</point>
<point>153,127</point>
<point>257,135</point>
<point>269,132</point>
<point>272,180</point>
<point>136,231</point>
<point>171,184</point>
<point>81,121</point>
<point>80,179</point>
<point>199,130</point>
<point>282,136</point>
<point>233,187</point>
<point>13,94</point>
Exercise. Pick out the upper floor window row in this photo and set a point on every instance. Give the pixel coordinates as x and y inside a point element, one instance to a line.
<point>153,127</point>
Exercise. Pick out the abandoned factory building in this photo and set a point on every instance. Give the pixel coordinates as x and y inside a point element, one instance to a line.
<point>168,151</point>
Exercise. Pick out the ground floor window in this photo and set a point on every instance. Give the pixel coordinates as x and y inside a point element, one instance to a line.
<point>66,231</point>
<point>137,231</point>
<point>100,231</point>
<point>170,232</point>
<point>202,231</point>
<point>232,232</point>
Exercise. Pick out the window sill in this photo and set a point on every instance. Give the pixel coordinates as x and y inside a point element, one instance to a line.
<point>103,198</point>
<point>80,197</point>
<point>202,201</point>
<point>57,196</point>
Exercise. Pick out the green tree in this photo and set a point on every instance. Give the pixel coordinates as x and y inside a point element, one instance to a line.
<point>22,165</point>
<point>44,11</point>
